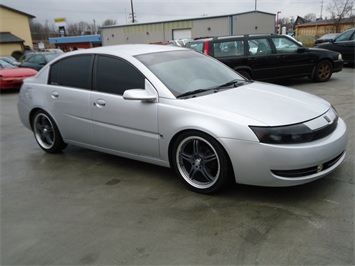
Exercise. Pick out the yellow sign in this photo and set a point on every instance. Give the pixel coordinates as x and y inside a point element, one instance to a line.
<point>59,20</point>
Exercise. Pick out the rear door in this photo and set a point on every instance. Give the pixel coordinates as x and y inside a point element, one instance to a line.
<point>69,97</point>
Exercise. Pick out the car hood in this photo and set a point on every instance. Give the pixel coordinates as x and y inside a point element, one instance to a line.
<point>17,72</point>
<point>263,104</point>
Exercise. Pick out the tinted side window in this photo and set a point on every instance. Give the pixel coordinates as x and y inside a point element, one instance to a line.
<point>229,48</point>
<point>114,75</point>
<point>72,71</point>
<point>344,37</point>
<point>259,46</point>
<point>284,45</point>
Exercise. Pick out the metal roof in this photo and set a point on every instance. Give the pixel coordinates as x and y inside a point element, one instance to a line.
<point>179,20</point>
<point>76,39</point>
<point>7,37</point>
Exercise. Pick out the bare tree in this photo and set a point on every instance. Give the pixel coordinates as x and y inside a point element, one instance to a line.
<point>340,9</point>
<point>75,29</point>
<point>42,31</point>
<point>310,17</point>
<point>109,22</point>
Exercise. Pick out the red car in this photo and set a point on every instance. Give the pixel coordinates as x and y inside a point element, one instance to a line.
<point>11,76</point>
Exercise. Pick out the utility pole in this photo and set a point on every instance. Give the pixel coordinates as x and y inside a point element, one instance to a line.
<point>256,3</point>
<point>321,9</point>
<point>132,11</point>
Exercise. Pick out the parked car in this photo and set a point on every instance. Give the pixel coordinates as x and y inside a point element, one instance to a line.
<point>11,76</point>
<point>37,60</point>
<point>173,107</point>
<point>269,57</point>
<point>344,44</point>
<point>329,37</point>
<point>11,60</point>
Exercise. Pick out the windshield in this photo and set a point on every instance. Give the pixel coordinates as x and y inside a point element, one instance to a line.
<point>4,64</point>
<point>50,57</point>
<point>185,71</point>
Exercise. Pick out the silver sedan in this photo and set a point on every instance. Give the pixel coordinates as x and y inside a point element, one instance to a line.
<point>176,108</point>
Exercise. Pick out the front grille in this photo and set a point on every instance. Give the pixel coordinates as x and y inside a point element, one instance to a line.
<point>307,171</point>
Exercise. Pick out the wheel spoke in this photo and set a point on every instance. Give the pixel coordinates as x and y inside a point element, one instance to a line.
<point>195,148</point>
<point>187,157</point>
<point>192,172</point>
<point>209,158</point>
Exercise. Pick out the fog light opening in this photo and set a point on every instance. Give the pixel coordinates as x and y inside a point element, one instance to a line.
<point>319,168</point>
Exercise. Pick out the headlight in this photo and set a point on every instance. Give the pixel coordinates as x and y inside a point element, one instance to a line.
<point>340,57</point>
<point>298,133</point>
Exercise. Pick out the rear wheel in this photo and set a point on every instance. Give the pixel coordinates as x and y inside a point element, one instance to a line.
<point>323,71</point>
<point>46,133</point>
<point>201,162</point>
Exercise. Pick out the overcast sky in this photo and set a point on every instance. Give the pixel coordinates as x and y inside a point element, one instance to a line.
<point>158,10</point>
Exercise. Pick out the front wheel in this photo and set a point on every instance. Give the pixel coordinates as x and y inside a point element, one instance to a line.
<point>323,71</point>
<point>46,133</point>
<point>201,162</point>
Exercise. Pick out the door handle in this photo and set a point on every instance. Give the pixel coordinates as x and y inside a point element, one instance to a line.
<point>100,103</point>
<point>55,94</point>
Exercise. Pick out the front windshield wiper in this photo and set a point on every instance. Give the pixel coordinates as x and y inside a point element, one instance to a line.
<point>188,93</point>
<point>231,84</point>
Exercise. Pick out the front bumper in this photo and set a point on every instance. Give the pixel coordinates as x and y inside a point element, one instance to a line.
<point>338,65</point>
<point>261,164</point>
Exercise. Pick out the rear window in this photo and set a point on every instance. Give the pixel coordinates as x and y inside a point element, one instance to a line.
<point>229,48</point>
<point>197,46</point>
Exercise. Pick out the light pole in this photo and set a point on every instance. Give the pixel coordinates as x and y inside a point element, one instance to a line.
<point>277,22</point>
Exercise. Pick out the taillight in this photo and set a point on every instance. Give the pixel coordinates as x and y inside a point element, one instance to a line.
<point>207,48</point>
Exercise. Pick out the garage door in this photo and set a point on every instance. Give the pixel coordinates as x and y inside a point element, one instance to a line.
<point>181,34</point>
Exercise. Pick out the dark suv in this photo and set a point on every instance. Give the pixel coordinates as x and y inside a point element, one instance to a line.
<point>269,57</point>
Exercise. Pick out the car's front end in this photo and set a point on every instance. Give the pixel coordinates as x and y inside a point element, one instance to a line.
<point>286,159</point>
<point>334,57</point>
<point>274,136</point>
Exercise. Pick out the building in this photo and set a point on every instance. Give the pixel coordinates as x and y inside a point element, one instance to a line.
<point>320,27</point>
<point>15,33</point>
<point>253,22</point>
<point>80,42</point>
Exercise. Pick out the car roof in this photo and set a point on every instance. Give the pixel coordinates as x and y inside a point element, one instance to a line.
<point>211,38</point>
<point>130,49</point>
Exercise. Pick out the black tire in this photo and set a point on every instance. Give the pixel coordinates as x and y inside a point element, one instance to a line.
<point>201,162</point>
<point>46,133</point>
<point>245,74</point>
<point>323,71</point>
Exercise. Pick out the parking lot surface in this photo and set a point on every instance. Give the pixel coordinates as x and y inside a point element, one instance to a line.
<point>82,207</point>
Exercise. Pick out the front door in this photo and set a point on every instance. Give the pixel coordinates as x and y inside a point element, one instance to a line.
<point>128,127</point>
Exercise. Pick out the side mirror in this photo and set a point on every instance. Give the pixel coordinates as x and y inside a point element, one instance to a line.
<point>301,50</point>
<point>139,95</point>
